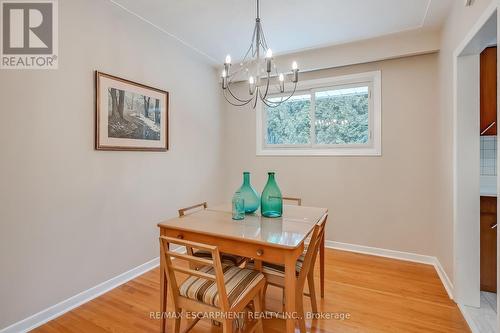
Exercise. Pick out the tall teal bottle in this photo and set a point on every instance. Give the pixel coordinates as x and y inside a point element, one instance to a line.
<point>249,194</point>
<point>271,202</point>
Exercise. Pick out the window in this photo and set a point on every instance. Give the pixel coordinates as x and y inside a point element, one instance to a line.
<point>334,116</point>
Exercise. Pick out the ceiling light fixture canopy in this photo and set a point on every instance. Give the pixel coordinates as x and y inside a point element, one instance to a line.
<point>259,71</point>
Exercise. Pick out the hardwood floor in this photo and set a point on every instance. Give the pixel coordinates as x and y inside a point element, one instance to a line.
<point>379,294</point>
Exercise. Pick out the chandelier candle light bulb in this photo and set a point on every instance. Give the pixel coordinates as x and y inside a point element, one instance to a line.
<point>269,57</point>
<point>227,64</point>
<point>251,82</point>
<point>295,71</point>
<point>224,79</point>
<point>282,82</point>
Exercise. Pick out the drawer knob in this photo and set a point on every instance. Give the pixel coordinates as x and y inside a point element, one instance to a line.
<point>180,236</point>
<point>260,252</point>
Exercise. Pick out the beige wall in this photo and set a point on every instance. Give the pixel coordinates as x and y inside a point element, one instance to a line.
<point>397,45</point>
<point>72,217</point>
<point>388,201</point>
<point>459,22</point>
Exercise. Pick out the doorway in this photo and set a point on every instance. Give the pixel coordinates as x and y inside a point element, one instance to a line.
<point>475,176</point>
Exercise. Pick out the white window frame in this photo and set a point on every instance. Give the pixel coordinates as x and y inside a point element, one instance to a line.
<point>374,146</point>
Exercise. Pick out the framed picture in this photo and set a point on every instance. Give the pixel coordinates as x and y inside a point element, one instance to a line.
<point>130,115</point>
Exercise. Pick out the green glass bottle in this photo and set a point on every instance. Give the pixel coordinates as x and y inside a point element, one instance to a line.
<point>249,195</point>
<point>271,202</point>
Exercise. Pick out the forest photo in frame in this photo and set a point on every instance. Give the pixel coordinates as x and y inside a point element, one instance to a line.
<point>130,115</point>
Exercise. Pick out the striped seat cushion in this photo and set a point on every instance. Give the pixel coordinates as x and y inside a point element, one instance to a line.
<point>276,269</point>
<point>238,282</point>
<point>226,259</point>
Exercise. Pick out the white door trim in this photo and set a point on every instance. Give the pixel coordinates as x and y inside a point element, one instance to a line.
<point>467,174</point>
<point>461,258</point>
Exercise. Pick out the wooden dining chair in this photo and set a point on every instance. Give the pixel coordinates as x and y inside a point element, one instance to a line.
<point>227,259</point>
<point>298,201</point>
<point>199,206</point>
<point>214,288</point>
<point>275,273</point>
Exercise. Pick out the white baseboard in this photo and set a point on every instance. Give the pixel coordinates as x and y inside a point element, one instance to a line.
<point>406,256</point>
<point>472,324</point>
<point>448,285</point>
<point>55,311</point>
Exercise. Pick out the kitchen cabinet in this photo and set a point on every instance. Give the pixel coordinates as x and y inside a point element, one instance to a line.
<point>488,91</point>
<point>488,244</point>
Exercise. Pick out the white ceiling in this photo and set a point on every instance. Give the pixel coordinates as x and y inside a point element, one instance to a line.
<point>218,27</point>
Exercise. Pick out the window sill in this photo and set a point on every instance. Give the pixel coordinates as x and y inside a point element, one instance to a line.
<point>320,152</point>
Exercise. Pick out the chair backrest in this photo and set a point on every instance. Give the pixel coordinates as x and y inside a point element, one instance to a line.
<point>183,211</point>
<point>298,201</point>
<point>166,257</point>
<point>312,250</point>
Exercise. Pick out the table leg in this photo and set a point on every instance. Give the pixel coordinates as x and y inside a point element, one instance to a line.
<point>290,293</point>
<point>258,267</point>
<point>322,265</point>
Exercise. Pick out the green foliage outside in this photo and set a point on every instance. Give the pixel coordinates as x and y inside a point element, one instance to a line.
<point>341,118</point>
<point>290,123</point>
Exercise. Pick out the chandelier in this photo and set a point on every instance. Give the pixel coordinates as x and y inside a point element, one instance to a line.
<point>259,71</point>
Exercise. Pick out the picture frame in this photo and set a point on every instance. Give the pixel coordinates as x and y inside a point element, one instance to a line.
<point>130,116</point>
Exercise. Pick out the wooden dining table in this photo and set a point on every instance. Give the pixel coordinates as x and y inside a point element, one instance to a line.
<point>275,240</point>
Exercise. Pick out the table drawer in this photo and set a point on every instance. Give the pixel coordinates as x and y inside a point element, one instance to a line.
<point>245,249</point>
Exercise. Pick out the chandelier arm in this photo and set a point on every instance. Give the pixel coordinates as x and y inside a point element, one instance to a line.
<point>253,38</point>
<point>233,75</point>
<point>267,87</point>
<point>249,50</point>
<point>235,104</point>
<point>293,92</point>
<point>256,98</point>
<point>270,104</point>
<point>276,72</point>
<point>237,98</point>
<point>242,68</point>
<point>245,58</point>
<point>246,54</point>
<point>263,40</point>
<point>256,40</point>
<point>276,104</point>
<point>277,85</point>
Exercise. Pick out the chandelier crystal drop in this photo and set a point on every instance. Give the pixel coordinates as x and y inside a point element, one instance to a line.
<point>259,71</point>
